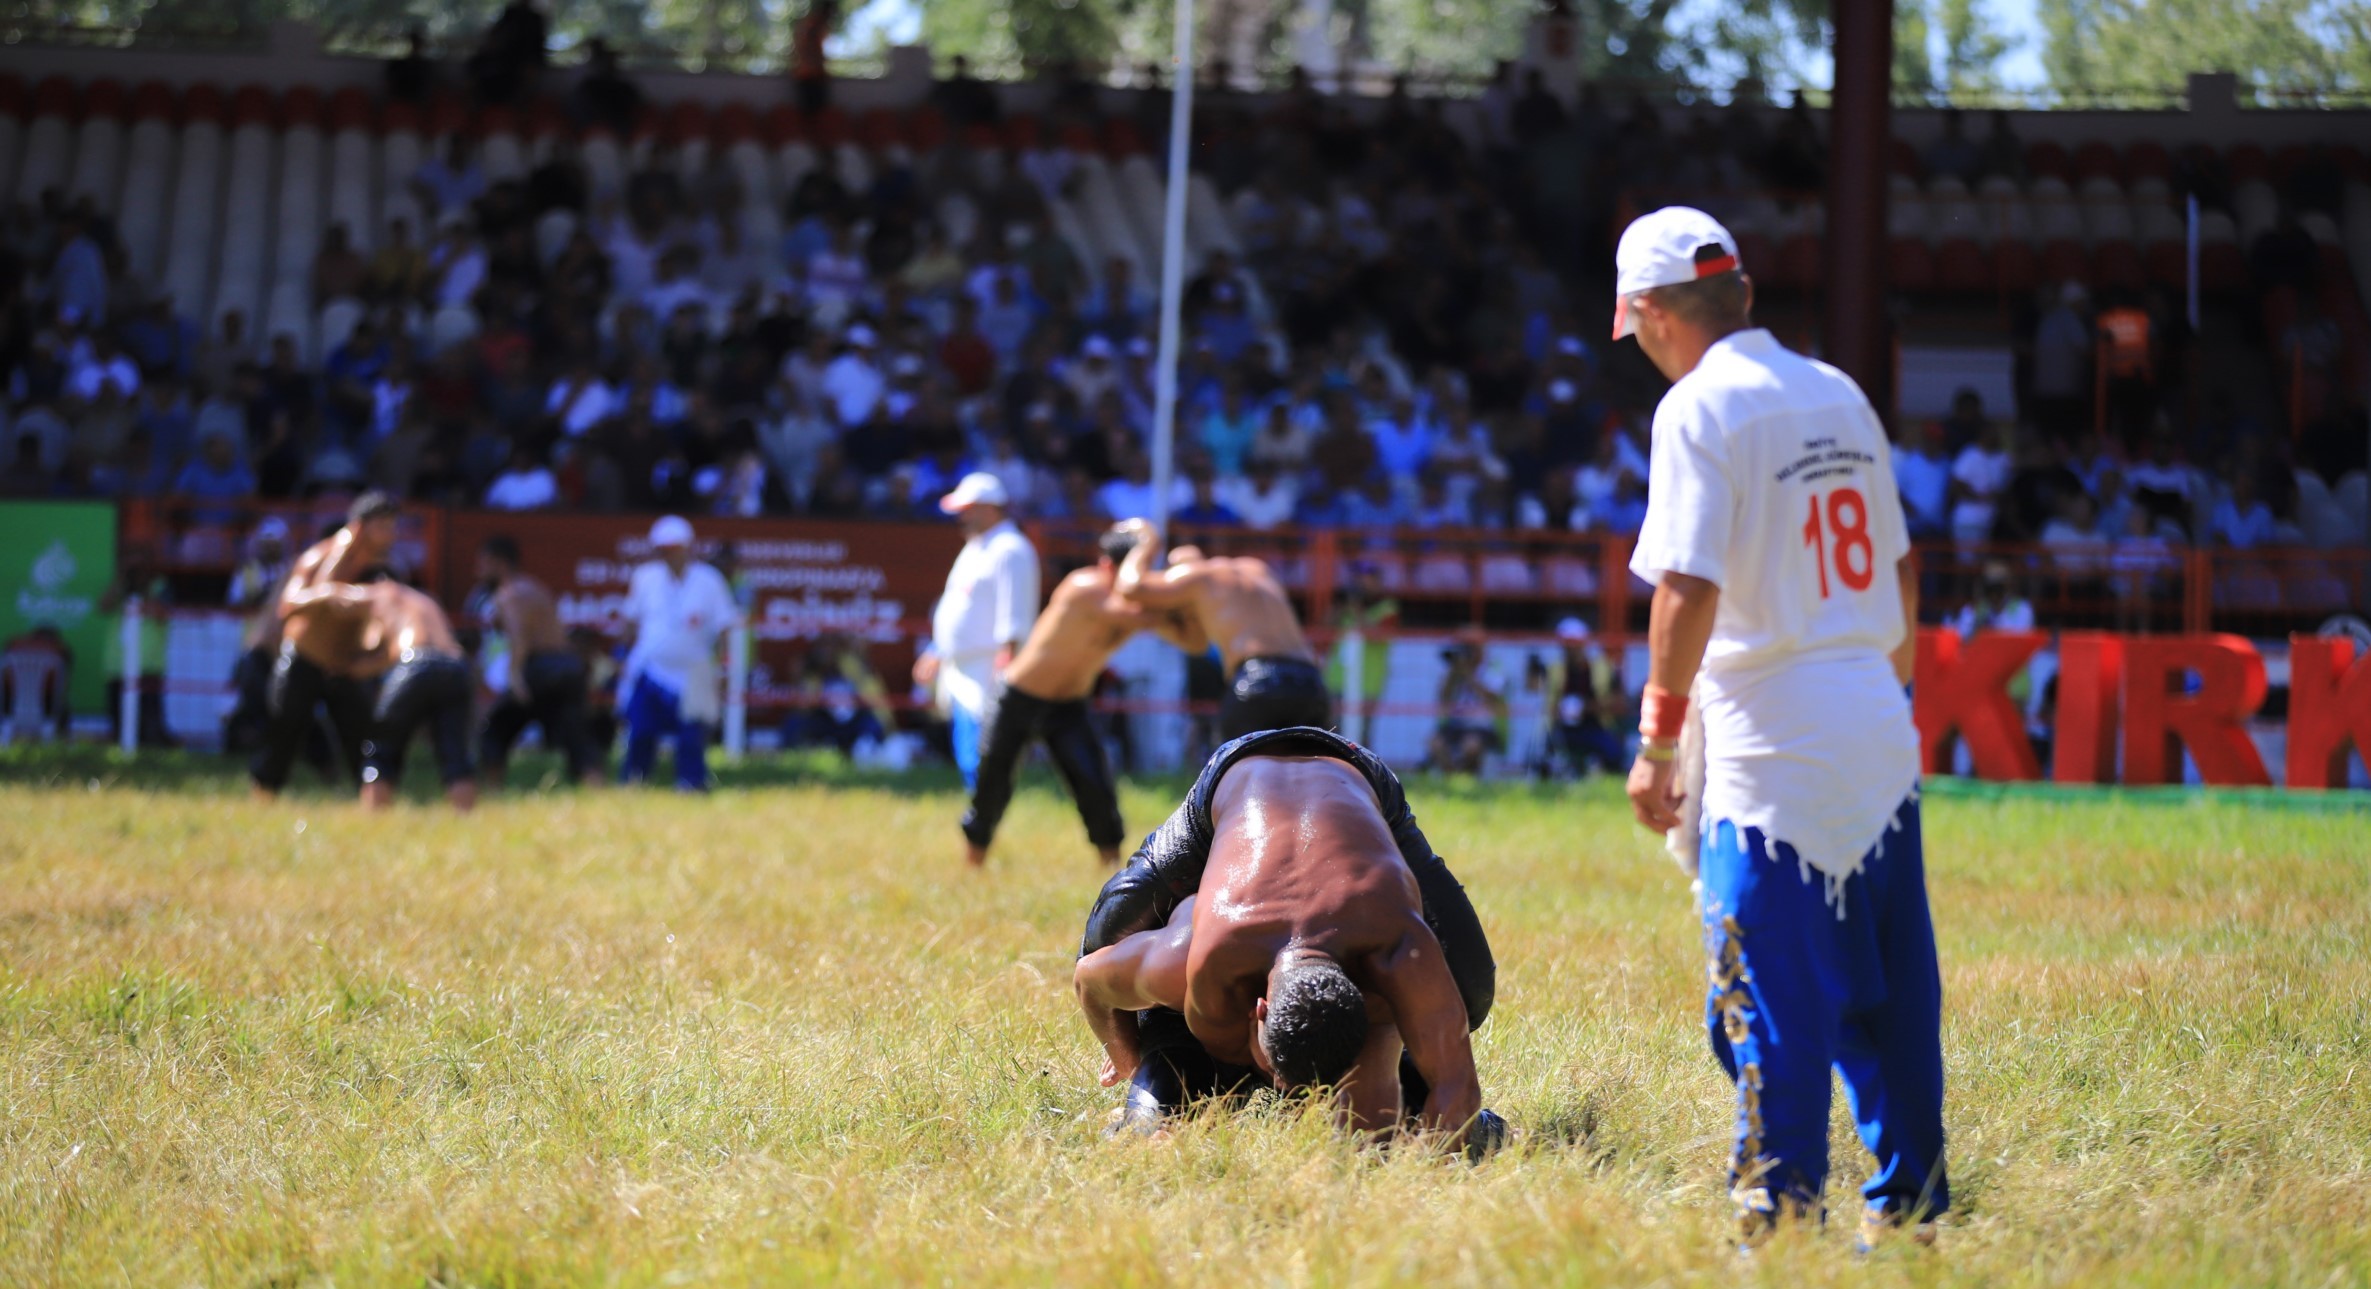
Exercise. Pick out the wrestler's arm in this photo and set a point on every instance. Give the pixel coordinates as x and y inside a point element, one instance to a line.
<point>1414,978</point>
<point>1163,588</point>
<point>328,598</point>
<point>302,577</point>
<point>1143,970</point>
<point>1176,626</point>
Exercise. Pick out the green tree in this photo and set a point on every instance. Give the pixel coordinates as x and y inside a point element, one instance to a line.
<point>1007,36</point>
<point>1973,46</point>
<point>2093,46</point>
<point>1945,49</point>
<point>1914,63</point>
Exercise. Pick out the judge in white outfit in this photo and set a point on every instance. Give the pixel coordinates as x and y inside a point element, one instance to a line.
<point>1777,750</point>
<point>677,611</point>
<point>982,617</point>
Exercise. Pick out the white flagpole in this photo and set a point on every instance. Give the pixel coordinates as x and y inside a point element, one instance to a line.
<point>1173,250</point>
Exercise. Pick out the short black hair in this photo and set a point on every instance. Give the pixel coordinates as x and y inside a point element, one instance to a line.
<point>371,505</point>
<point>502,547</point>
<point>1317,1022</point>
<point>1115,543</point>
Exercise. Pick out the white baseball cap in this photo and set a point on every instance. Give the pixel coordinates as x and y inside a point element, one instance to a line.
<point>1665,248</point>
<point>671,530</point>
<point>1096,346</point>
<point>861,336</point>
<point>1572,629</point>
<point>979,488</point>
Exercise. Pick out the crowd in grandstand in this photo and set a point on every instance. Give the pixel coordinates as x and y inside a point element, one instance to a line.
<point>1408,341</point>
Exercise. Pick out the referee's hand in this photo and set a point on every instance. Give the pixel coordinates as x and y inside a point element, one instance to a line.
<point>1654,793</point>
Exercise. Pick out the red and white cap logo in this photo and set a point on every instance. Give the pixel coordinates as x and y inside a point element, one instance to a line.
<point>1665,248</point>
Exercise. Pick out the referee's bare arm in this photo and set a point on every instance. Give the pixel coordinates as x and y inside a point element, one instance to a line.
<point>1679,626</point>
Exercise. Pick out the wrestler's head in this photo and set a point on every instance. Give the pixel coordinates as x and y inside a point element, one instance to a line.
<point>371,520</point>
<point>1312,1024</point>
<point>1115,543</point>
<point>497,558</point>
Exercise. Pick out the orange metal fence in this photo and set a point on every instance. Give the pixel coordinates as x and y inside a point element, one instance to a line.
<point>1511,582</point>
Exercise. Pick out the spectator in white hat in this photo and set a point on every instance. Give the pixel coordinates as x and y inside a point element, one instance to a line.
<point>982,617</point>
<point>677,611</point>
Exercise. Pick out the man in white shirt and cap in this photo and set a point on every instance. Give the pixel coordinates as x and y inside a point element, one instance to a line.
<point>982,617</point>
<point>677,610</point>
<point>1777,750</point>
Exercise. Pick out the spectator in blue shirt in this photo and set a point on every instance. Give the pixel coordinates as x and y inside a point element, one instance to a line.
<point>1403,442</point>
<point>78,277</point>
<point>1227,430</point>
<point>216,473</point>
<point>163,343</point>
<point>1923,474</point>
<point>1205,511</point>
<point>2242,521</point>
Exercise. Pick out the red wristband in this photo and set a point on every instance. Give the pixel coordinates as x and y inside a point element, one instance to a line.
<point>1662,713</point>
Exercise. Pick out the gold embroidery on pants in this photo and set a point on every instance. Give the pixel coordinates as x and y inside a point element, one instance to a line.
<point>1748,1166</point>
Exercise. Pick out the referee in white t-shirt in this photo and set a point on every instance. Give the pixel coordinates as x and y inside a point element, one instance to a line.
<point>1784,608</point>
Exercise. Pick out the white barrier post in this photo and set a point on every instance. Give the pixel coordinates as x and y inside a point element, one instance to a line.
<point>127,707</point>
<point>1354,684</point>
<point>736,694</point>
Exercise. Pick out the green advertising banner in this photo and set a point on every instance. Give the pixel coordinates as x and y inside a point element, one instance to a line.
<point>56,560</point>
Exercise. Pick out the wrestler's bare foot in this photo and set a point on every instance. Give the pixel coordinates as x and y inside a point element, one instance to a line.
<point>462,795</point>
<point>378,796</point>
<point>1108,854</point>
<point>258,792</point>
<point>976,856</point>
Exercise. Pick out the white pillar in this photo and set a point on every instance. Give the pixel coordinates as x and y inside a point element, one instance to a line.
<point>128,703</point>
<point>736,694</point>
<point>1173,251</point>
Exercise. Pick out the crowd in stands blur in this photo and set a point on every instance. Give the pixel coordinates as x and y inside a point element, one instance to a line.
<point>1410,338</point>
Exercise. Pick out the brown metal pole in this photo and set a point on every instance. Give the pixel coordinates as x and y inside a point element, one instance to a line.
<point>1860,128</point>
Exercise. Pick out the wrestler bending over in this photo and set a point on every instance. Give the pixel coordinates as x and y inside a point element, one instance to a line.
<point>1334,948</point>
<point>1045,697</point>
<point>1273,679</point>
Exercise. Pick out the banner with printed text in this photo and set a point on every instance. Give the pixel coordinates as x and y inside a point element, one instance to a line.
<point>56,561</point>
<point>798,579</point>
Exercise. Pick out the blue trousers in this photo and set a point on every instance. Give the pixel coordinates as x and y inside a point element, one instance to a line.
<point>655,712</point>
<point>1797,990</point>
<point>963,727</point>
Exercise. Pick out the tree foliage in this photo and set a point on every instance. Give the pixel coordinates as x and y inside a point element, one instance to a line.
<point>2295,45</point>
<point>1946,49</point>
<point>1942,48</point>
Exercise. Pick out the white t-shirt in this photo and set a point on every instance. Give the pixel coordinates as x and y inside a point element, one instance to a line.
<point>678,622</point>
<point>1772,478</point>
<point>990,602</point>
<point>1986,472</point>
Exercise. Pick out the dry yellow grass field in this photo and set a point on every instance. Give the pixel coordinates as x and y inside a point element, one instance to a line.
<point>777,1036</point>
